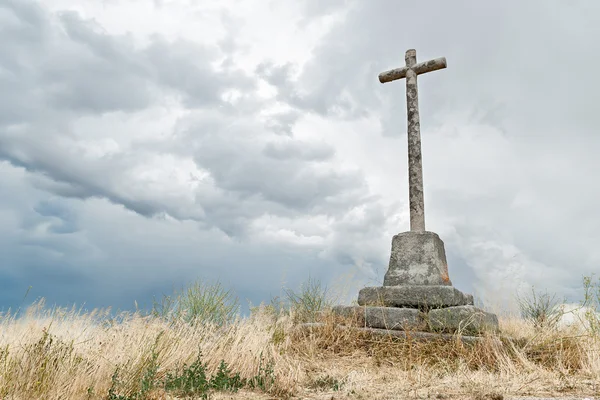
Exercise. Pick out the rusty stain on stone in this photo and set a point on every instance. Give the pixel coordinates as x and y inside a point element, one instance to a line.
<point>445,276</point>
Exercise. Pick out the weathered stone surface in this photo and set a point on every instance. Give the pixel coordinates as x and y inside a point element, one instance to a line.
<point>465,319</point>
<point>415,165</point>
<point>420,68</point>
<point>415,159</point>
<point>470,300</point>
<point>413,296</point>
<point>417,258</point>
<point>384,317</point>
<point>421,336</point>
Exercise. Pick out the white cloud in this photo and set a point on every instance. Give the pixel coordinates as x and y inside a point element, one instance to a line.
<point>164,140</point>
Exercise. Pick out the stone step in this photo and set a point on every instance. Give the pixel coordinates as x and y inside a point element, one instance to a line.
<point>383,317</point>
<point>414,296</point>
<point>467,319</point>
<point>413,335</point>
<point>464,319</point>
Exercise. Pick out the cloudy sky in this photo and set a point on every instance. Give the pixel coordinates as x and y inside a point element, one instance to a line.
<point>145,144</point>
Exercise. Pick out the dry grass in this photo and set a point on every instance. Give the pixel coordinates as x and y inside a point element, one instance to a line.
<point>66,354</point>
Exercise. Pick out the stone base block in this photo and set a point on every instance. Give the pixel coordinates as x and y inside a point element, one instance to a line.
<point>413,296</point>
<point>417,258</point>
<point>467,319</point>
<point>420,336</point>
<point>384,317</point>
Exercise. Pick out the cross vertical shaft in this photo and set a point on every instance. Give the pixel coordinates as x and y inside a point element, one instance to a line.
<point>415,162</point>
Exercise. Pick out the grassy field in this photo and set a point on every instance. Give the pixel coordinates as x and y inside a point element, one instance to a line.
<point>194,345</point>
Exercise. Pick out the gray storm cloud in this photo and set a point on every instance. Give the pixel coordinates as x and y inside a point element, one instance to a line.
<point>95,132</point>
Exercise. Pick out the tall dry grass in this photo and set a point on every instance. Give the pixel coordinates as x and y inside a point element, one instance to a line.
<point>213,353</point>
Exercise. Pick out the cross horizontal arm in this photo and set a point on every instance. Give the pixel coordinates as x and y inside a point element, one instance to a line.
<point>420,68</point>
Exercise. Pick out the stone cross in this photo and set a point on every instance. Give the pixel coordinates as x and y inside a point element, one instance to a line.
<point>415,167</point>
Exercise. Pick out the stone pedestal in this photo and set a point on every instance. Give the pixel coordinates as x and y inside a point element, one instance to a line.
<point>417,294</point>
<point>413,296</point>
<point>418,258</point>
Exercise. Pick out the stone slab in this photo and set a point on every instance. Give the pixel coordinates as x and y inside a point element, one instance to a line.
<point>467,319</point>
<point>421,336</point>
<point>413,296</point>
<point>384,317</point>
<point>417,258</point>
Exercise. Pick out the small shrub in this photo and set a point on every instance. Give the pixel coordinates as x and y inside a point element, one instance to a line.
<point>148,380</point>
<point>191,382</point>
<point>309,302</point>
<point>45,358</point>
<point>200,303</point>
<point>265,378</point>
<point>114,383</point>
<point>542,310</point>
<point>278,336</point>
<point>275,309</point>
<point>591,302</point>
<point>223,380</point>
<point>147,383</point>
